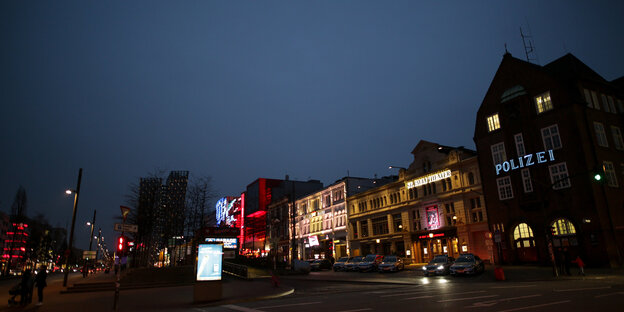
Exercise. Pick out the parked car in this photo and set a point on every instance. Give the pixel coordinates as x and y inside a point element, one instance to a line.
<point>321,264</point>
<point>439,265</point>
<point>339,265</point>
<point>391,264</point>
<point>352,263</point>
<point>370,263</point>
<point>467,264</point>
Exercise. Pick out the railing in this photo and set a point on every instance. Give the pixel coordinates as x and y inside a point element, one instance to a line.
<point>235,269</point>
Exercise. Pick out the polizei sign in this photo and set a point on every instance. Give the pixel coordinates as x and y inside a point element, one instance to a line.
<point>525,161</point>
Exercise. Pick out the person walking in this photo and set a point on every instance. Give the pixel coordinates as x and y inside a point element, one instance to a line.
<point>581,265</point>
<point>40,281</point>
<point>25,288</point>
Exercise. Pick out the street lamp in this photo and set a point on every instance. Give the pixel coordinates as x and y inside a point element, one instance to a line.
<point>73,223</point>
<point>396,167</point>
<point>92,224</point>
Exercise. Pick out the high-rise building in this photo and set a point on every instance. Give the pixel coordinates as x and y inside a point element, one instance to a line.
<point>148,205</point>
<point>545,136</point>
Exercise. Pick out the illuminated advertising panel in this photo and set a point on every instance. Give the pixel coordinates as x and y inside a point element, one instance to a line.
<point>209,261</point>
<point>313,240</point>
<point>228,242</point>
<point>429,178</point>
<point>433,219</point>
<point>227,208</point>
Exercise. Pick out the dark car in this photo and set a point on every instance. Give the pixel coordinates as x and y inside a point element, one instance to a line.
<point>339,265</point>
<point>370,263</point>
<point>468,264</point>
<point>320,264</point>
<point>439,265</point>
<point>352,263</point>
<point>391,264</point>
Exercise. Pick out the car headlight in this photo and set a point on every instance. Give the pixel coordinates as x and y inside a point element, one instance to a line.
<point>424,268</point>
<point>441,267</point>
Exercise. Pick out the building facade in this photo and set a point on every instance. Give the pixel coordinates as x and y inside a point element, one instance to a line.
<point>435,207</point>
<point>320,229</point>
<point>542,134</point>
<point>255,203</point>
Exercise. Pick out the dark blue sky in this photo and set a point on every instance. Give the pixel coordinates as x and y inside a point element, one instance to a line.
<point>247,89</point>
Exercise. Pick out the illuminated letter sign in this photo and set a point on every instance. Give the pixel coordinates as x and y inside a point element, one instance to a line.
<point>313,240</point>
<point>524,161</point>
<point>209,260</point>
<point>429,178</point>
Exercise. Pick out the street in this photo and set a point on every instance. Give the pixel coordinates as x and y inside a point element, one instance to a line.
<point>444,294</point>
<point>341,291</point>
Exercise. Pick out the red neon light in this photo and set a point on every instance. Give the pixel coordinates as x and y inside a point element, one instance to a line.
<point>434,235</point>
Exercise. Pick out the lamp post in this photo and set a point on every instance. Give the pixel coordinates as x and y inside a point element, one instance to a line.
<point>71,233</point>
<point>85,272</point>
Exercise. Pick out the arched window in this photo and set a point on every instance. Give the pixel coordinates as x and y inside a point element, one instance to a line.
<point>523,236</point>
<point>563,227</point>
<point>471,180</point>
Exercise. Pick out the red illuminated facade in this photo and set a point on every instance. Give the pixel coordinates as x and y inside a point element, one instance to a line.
<point>14,247</point>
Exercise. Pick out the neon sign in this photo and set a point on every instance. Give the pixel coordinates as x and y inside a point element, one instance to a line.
<point>431,236</point>
<point>525,161</point>
<point>429,178</point>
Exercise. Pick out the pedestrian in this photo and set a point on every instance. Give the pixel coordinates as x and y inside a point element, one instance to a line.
<point>566,261</point>
<point>26,288</point>
<point>581,265</point>
<point>40,281</point>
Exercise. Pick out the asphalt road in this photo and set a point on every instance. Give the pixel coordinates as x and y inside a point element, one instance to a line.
<point>442,294</point>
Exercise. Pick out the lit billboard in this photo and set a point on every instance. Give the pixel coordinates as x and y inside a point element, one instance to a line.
<point>209,262</point>
<point>228,242</point>
<point>227,209</point>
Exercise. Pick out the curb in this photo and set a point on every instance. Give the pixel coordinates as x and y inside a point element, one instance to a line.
<point>248,299</point>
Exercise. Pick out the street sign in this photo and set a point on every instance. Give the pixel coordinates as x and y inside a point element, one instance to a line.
<point>88,254</point>
<point>133,228</point>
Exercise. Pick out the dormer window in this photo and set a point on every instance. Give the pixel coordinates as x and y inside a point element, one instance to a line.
<point>543,103</point>
<point>493,122</point>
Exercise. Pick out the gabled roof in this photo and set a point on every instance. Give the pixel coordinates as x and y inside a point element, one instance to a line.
<point>568,67</point>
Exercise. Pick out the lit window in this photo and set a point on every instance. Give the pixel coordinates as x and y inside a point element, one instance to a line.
<point>526,180</point>
<point>559,176</point>
<point>618,141</point>
<point>610,175</point>
<point>523,236</point>
<point>563,227</point>
<point>543,103</point>
<point>498,153</point>
<point>493,123</point>
<point>601,136</point>
<point>504,188</point>
<point>550,136</point>
<point>519,144</point>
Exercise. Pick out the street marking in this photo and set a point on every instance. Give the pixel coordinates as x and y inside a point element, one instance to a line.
<point>536,306</point>
<point>493,302</point>
<point>407,293</point>
<point>611,294</point>
<point>421,297</point>
<point>239,308</point>
<point>469,298</point>
<point>579,289</point>
<point>519,286</point>
<point>290,305</point>
<point>367,309</point>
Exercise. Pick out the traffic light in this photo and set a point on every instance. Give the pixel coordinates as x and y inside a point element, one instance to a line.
<point>121,245</point>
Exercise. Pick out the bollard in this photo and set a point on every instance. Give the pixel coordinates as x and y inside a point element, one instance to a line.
<point>499,274</point>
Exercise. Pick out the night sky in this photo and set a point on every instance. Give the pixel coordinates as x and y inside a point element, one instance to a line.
<point>238,90</point>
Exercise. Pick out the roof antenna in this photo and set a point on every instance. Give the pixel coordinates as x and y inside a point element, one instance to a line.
<point>506,52</point>
<point>529,47</point>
